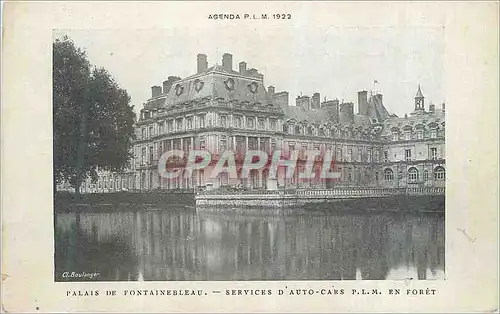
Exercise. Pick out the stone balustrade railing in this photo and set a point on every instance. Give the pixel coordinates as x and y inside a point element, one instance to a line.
<point>359,192</point>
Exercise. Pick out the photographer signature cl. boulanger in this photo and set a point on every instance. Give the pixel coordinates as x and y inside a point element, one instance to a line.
<point>79,275</point>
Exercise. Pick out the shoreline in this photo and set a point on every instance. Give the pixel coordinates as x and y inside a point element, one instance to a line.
<point>117,202</point>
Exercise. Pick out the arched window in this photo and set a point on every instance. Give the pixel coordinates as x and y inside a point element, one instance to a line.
<point>413,174</point>
<point>426,175</point>
<point>439,173</point>
<point>388,175</point>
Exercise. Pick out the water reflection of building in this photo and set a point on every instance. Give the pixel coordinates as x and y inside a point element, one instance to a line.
<point>219,109</point>
<point>186,246</point>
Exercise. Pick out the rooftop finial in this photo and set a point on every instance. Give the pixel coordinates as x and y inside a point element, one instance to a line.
<point>419,93</point>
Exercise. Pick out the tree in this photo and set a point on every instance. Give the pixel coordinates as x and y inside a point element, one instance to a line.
<point>92,117</point>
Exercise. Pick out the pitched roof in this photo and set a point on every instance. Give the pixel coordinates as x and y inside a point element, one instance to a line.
<point>300,114</point>
<point>319,116</point>
<point>215,82</point>
<point>423,119</point>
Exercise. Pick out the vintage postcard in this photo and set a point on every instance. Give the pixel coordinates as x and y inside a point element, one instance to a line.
<point>250,156</point>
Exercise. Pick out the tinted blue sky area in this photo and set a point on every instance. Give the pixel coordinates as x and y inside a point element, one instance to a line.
<point>336,62</point>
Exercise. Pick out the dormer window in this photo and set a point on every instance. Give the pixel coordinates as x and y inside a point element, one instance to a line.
<point>179,89</point>
<point>395,136</point>
<point>229,83</point>
<point>198,85</point>
<point>433,133</point>
<point>253,87</point>
<point>407,136</point>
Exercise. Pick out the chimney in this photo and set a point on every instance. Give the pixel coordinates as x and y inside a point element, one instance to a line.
<point>363,103</point>
<point>332,109</point>
<point>155,91</point>
<point>442,108</point>
<point>202,63</point>
<point>432,108</point>
<point>281,99</point>
<point>167,85</point>
<point>227,62</point>
<point>316,100</point>
<point>270,90</point>
<point>346,113</point>
<point>304,102</point>
<point>252,72</point>
<point>243,67</point>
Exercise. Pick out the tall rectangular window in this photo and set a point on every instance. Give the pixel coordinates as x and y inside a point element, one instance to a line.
<point>189,123</point>
<point>272,124</point>
<point>201,121</point>
<point>251,123</point>
<point>408,154</point>
<point>143,156</point>
<point>178,124</point>
<point>237,122</point>
<point>223,121</point>
<point>273,144</point>
<point>261,124</point>
<point>433,153</point>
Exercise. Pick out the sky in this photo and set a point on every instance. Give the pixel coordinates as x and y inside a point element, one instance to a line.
<point>336,62</point>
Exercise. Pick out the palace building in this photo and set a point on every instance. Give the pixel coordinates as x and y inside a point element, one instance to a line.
<point>219,108</point>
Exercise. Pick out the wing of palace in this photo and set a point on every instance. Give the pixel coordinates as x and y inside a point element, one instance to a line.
<point>219,109</point>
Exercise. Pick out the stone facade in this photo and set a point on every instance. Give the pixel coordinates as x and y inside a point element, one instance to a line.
<point>220,109</point>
